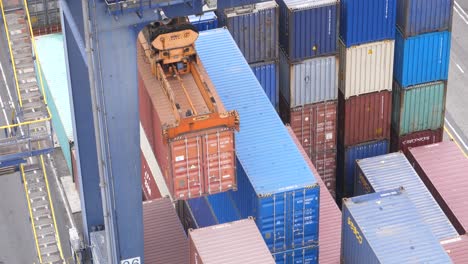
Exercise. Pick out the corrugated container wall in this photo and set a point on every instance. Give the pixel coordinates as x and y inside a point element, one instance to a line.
<point>164,237</point>
<point>458,250</point>
<point>325,163</point>
<point>366,68</point>
<point>206,21</point>
<point>275,185</point>
<point>364,118</point>
<point>363,21</point>
<point>423,58</point>
<point>308,28</point>
<point>384,227</point>
<point>443,168</point>
<point>231,243</point>
<point>416,139</point>
<point>299,255</point>
<point>45,16</point>
<point>267,74</point>
<point>347,157</point>
<point>309,81</point>
<point>223,4</point>
<point>149,186</point>
<point>223,207</point>
<point>415,17</point>
<point>255,30</point>
<point>393,170</point>
<point>330,216</point>
<point>418,108</point>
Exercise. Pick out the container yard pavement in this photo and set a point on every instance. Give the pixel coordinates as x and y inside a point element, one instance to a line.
<point>456,121</point>
<point>7,85</point>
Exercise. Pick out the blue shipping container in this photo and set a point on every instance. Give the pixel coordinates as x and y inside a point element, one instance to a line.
<point>202,213</point>
<point>223,4</point>
<point>347,162</point>
<point>223,207</point>
<point>416,17</point>
<point>421,59</point>
<point>305,255</point>
<point>394,231</point>
<point>275,184</point>
<point>206,21</point>
<point>364,21</point>
<point>267,74</point>
<point>392,171</point>
<point>308,28</point>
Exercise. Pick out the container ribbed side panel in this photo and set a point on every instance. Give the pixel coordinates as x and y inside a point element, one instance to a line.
<point>363,21</point>
<point>418,108</point>
<point>416,17</point>
<point>366,68</point>
<point>267,74</point>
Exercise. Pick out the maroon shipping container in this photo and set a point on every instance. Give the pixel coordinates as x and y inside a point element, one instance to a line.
<point>231,243</point>
<point>457,250</point>
<point>194,149</point>
<point>145,111</point>
<point>325,162</point>
<point>148,183</point>
<point>165,240</point>
<point>364,118</point>
<point>75,170</point>
<point>416,139</point>
<point>314,125</point>
<point>330,216</point>
<point>444,170</point>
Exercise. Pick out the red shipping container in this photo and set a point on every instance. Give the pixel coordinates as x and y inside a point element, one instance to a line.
<point>325,162</point>
<point>164,238</point>
<point>416,139</point>
<point>145,110</point>
<point>330,216</point>
<point>230,243</point>
<point>457,250</point>
<point>193,145</point>
<point>444,170</point>
<point>364,118</point>
<point>314,125</point>
<point>148,183</point>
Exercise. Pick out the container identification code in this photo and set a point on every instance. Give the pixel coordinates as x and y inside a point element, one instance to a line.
<point>355,231</point>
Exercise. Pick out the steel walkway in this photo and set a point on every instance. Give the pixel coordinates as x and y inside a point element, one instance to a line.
<point>31,130</point>
<point>41,211</point>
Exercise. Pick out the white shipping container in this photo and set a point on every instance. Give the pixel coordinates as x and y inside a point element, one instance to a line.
<point>309,81</point>
<point>366,68</point>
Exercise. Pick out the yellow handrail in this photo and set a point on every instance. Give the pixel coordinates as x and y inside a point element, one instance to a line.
<point>28,122</point>
<point>30,212</point>
<point>11,53</point>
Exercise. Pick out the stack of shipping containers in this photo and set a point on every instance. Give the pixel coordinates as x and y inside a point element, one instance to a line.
<point>366,48</point>
<point>255,30</point>
<point>309,79</point>
<point>422,56</point>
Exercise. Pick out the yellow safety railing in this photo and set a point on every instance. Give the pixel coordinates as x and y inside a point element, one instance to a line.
<point>57,236</point>
<point>11,52</point>
<point>30,212</point>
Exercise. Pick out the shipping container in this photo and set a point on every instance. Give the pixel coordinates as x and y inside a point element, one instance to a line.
<point>347,157</point>
<point>255,30</point>
<point>418,108</point>
<point>415,139</point>
<point>76,178</point>
<point>148,183</point>
<point>314,125</point>
<point>364,118</point>
<point>205,21</point>
<point>224,4</point>
<point>457,250</point>
<point>145,111</point>
<point>185,214</point>
<point>362,21</point>
<point>202,213</point>
<point>275,186</point>
<point>267,74</point>
<point>308,28</point>
<point>309,81</point>
<point>415,17</point>
<point>164,238</point>
<point>235,242</point>
<point>430,52</point>
<point>366,68</point>
<point>325,162</point>
<point>194,145</point>
<point>303,255</point>
<point>330,217</point>
<point>45,16</point>
<point>443,167</point>
<point>393,170</point>
<point>384,227</point>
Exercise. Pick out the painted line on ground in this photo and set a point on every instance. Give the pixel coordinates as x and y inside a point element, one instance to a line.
<point>1,100</point>
<point>457,139</point>
<point>460,14</point>
<point>460,68</point>
<point>461,9</point>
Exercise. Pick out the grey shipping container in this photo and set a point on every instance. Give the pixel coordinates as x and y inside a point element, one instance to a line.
<point>384,227</point>
<point>255,30</point>
<point>309,81</point>
<point>45,16</point>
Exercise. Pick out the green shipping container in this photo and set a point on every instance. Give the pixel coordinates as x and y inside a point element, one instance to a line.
<point>417,108</point>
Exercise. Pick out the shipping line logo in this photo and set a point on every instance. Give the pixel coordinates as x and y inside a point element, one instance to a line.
<point>355,231</point>
<point>365,185</point>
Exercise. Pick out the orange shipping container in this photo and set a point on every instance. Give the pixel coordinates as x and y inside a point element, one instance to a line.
<point>192,144</point>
